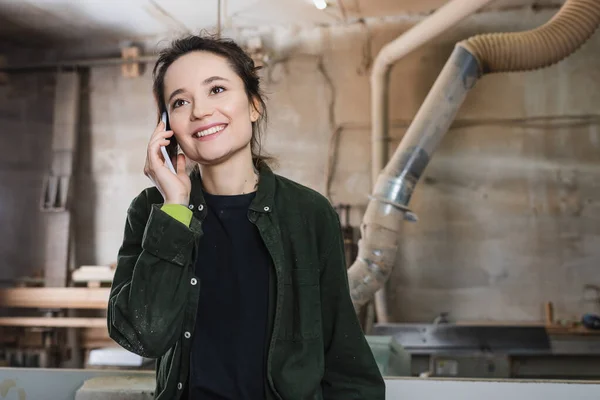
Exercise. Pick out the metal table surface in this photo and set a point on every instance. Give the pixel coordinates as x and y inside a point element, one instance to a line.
<point>508,340</point>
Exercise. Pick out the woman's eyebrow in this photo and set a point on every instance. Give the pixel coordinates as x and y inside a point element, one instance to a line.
<point>175,93</point>
<point>210,80</point>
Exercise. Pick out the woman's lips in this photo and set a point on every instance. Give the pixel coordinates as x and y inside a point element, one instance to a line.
<point>210,133</point>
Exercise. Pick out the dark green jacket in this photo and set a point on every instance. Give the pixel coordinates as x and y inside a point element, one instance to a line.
<point>316,348</point>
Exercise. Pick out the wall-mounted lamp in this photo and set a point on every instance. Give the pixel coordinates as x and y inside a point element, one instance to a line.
<point>320,4</point>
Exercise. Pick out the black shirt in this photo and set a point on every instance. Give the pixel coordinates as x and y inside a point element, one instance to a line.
<point>228,349</point>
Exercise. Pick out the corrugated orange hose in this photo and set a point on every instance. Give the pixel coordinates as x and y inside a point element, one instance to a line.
<point>568,30</point>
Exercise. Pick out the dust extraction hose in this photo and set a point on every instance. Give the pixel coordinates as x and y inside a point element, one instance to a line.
<point>388,207</point>
<point>570,28</point>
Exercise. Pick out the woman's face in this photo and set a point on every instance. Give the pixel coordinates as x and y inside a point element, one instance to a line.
<point>208,108</point>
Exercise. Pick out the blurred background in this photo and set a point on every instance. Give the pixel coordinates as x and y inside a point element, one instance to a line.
<point>492,281</point>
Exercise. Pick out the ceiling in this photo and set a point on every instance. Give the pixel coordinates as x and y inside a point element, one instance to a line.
<point>48,22</point>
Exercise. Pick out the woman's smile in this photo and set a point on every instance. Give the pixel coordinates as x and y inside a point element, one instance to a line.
<point>209,132</point>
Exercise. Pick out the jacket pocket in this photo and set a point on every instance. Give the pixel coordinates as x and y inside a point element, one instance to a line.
<point>301,310</point>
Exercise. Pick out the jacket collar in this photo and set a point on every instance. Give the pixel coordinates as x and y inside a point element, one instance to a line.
<point>263,201</point>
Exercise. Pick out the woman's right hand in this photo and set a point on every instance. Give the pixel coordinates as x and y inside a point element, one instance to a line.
<point>175,189</point>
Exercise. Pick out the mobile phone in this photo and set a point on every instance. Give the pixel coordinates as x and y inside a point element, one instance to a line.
<point>163,149</point>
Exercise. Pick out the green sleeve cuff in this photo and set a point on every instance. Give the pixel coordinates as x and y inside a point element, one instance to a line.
<point>179,212</point>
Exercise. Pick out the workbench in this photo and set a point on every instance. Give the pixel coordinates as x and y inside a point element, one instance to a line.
<point>517,351</point>
<point>62,384</point>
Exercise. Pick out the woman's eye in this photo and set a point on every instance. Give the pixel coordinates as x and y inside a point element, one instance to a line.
<point>178,103</point>
<point>217,90</point>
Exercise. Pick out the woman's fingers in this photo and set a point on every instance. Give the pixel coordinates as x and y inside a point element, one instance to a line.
<point>159,128</point>
<point>160,132</point>
<point>155,157</point>
<point>161,135</point>
<point>181,165</point>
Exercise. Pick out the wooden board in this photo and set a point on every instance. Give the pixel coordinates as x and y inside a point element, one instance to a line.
<point>53,322</point>
<point>551,329</point>
<point>88,273</point>
<point>95,333</point>
<point>519,324</point>
<point>571,331</point>
<point>74,298</point>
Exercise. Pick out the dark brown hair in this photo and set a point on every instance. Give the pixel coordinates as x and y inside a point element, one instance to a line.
<point>239,61</point>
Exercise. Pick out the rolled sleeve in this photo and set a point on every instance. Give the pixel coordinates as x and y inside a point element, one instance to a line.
<point>179,212</point>
<point>167,238</point>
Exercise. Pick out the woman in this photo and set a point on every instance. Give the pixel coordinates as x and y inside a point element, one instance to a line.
<point>233,277</point>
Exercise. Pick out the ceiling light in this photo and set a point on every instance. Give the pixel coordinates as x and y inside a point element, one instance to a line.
<point>320,4</point>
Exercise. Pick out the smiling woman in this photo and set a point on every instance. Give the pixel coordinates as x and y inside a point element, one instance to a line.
<point>190,64</point>
<point>233,277</point>
<point>212,116</point>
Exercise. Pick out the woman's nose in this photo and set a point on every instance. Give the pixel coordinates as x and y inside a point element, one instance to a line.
<point>201,110</point>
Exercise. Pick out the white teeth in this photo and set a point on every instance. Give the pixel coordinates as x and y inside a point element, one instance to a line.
<point>210,131</point>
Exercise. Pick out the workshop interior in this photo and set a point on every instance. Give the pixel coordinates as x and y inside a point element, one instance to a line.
<point>458,140</point>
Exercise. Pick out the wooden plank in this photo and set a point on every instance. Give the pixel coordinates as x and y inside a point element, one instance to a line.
<point>549,312</point>
<point>98,344</point>
<point>53,322</point>
<point>73,298</point>
<point>95,334</point>
<point>87,273</point>
<point>551,329</point>
<point>519,324</point>
<point>579,330</point>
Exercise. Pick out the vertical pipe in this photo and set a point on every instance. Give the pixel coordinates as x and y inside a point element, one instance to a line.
<point>218,18</point>
<point>394,187</point>
<point>444,18</point>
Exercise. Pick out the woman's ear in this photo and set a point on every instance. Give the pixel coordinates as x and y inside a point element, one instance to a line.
<point>254,110</point>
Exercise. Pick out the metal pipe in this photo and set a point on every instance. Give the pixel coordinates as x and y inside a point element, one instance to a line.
<point>573,25</point>
<point>440,21</point>
<point>432,121</point>
<point>218,18</point>
<point>93,62</point>
<point>343,10</point>
<point>388,206</point>
<point>444,18</point>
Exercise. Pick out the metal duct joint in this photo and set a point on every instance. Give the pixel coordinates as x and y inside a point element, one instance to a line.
<point>396,191</point>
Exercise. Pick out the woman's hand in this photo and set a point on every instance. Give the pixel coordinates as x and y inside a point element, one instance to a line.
<point>175,189</point>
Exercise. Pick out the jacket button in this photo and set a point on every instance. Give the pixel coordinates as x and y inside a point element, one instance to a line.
<point>267,208</point>
<point>187,335</point>
<point>180,386</point>
<point>201,207</point>
<point>191,206</point>
<point>193,281</point>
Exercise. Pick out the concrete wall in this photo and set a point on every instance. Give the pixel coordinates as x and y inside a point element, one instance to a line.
<point>508,210</point>
<point>26,103</point>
